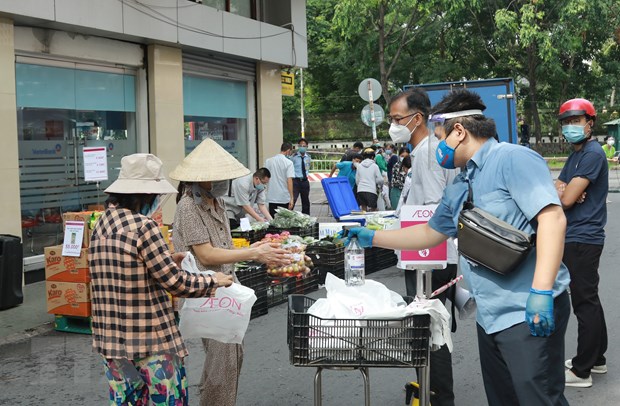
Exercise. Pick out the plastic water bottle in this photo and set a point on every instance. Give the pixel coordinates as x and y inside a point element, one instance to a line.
<point>354,267</point>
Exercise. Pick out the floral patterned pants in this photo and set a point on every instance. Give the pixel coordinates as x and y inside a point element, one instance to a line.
<point>155,380</point>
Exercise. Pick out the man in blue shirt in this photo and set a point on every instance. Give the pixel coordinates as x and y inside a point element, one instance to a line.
<point>301,185</point>
<point>522,316</point>
<point>348,169</point>
<point>582,187</point>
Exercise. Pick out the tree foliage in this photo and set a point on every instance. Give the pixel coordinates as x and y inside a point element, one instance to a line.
<point>554,49</point>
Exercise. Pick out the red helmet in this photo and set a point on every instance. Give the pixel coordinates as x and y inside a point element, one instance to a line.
<point>577,107</point>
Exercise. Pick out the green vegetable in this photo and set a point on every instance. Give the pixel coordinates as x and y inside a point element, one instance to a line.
<point>285,218</point>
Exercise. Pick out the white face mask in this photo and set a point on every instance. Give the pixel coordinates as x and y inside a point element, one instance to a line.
<point>610,142</point>
<point>400,133</point>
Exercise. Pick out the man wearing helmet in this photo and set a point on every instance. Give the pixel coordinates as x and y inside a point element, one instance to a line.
<point>582,187</point>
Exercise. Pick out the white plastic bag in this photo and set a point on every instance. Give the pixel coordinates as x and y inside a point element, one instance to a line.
<point>224,318</point>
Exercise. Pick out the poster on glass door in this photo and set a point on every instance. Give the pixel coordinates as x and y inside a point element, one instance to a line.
<point>95,164</point>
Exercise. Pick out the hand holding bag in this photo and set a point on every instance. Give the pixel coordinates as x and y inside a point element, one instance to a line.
<point>224,317</point>
<point>489,241</point>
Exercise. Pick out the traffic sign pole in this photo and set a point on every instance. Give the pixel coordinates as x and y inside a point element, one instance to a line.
<point>372,111</point>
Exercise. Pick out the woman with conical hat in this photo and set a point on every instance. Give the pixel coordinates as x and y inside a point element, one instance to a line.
<point>201,226</point>
<point>132,272</point>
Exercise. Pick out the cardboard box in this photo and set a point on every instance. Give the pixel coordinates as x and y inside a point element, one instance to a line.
<point>66,269</point>
<point>68,298</point>
<point>83,216</point>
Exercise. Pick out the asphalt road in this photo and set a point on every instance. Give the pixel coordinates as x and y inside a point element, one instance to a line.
<point>60,369</point>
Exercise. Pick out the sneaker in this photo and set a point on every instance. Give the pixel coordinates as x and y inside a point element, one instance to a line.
<point>596,369</point>
<point>577,382</point>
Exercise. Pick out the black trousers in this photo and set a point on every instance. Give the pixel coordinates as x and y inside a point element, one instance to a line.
<point>274,206</point>
<point>520,369</point>
<point>441,382</point>
<point>582,261</point>
<point>302,187</point>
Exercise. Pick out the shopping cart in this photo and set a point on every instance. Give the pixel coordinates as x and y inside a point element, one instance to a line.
<point>354,343</point>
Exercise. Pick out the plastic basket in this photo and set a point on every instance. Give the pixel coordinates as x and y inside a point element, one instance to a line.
<point>317,342</point>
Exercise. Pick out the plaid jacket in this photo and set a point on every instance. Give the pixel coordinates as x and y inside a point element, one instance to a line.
<point>131,271</point>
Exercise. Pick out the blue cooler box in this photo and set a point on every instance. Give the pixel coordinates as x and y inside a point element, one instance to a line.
<point>340,196</point>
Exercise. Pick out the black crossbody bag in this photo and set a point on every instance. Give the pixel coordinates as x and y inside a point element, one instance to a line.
<point>489,241</point>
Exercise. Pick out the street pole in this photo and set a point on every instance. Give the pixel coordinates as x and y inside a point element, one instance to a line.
<point>301,85</point>
<point>372,111</point>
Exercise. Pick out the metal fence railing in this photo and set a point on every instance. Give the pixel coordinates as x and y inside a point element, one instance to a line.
<point>322,165</point>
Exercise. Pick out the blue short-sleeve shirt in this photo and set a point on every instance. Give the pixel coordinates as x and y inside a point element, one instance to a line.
<point>514,184</point>
<point>346,169</point>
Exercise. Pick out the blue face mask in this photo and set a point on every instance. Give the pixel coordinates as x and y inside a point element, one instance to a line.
<point>574,133</point>
<point>388,151</point>
<point>302,150</point>
<point>260,187</point>
<point>445,155</point>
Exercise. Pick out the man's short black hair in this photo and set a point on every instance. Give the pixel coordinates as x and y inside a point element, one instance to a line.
<point>478,125</point>
<point>407,161</point>
<point>262,173</point>
<point>358,157</point>
<point>359,145</point>
<point>403,149</point>
<point>417,100</point>
<point>303,140</point>
<point>286,146</point>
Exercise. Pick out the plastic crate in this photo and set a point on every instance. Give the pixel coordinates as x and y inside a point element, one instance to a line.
<point>261,306</point>
<point>326,255</point>
<point>318,342</point>
<point>253,275</point>
<point>279,289</point>
<point>340,197</point>
<point>311,231</point>
<point>71,324</point>
<point>252,236</point>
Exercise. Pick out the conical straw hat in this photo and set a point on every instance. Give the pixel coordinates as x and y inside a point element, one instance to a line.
<point>208,162</point>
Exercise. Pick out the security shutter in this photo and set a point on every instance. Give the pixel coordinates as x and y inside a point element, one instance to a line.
<point>219,66</point>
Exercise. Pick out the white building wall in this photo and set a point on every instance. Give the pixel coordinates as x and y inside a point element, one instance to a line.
<point>174,23</point>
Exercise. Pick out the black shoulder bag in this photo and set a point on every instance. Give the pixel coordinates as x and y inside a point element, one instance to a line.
<point>489,241</point>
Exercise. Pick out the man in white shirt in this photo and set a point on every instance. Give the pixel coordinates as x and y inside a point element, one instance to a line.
<point>408,117</point>
<point>280,191</point>
<point>244,193</point>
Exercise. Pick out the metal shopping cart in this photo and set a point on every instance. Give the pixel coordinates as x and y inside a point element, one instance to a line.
<point>355,343</point>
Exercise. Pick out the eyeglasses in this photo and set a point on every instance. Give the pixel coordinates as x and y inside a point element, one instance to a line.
<point>397,120</point>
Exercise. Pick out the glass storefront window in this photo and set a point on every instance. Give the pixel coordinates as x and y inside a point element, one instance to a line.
<point>241,7</point>
<point>216,109</point>
<point>61,110</point>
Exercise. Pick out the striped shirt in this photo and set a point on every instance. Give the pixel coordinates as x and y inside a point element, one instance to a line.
<point>131,273</point>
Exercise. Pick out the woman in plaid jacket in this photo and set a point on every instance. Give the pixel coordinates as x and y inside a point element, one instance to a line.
<point>132,273</point>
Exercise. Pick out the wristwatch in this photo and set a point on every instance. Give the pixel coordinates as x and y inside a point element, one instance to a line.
<point>213,283</point>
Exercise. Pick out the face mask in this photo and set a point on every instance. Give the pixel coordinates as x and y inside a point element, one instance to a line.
<point>260,187</point>
<point>400,158</point>
<point>302,150</point>
<point>574,133</point>
<point>445,155</point>
<point>610,142</point>
<point>355,164</point>
<point>149,208</point>
<point>400,133</point>
<point>388,151</point>
<point>218,189</point>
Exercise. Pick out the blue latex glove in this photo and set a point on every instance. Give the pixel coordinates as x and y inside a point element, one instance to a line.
<point>540,303</point>
<point>363,234</point>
